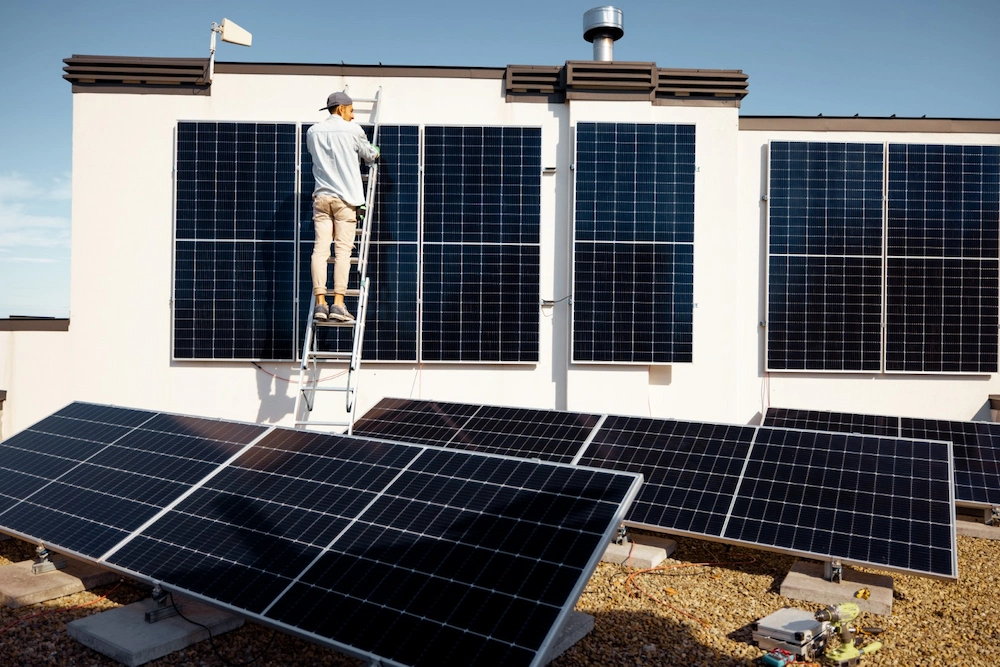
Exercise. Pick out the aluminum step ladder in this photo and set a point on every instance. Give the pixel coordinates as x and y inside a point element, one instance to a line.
<point>316,361</point>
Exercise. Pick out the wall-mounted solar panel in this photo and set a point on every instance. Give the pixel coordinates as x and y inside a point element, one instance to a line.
<point>524,432</point>
<point>818,495</point>
<point>691,470</point>
<point>942,277</point>
<point>400,554</point>
<point>976,445</point>
<point>481,244</point>
<point>234,241</point>
<point>391,323</point>
<point>824,262</point>
<point>879,501</point>
<point>633,243</point>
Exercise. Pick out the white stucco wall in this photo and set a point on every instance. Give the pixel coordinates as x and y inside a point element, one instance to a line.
<point>118,349</point>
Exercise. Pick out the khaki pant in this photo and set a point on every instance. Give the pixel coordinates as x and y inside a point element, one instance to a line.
<point>334,221</point>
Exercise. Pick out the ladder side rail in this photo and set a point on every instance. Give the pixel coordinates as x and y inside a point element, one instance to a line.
<point>365,241</point>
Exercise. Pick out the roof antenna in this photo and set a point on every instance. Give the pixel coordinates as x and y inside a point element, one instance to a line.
<point>231,33</point>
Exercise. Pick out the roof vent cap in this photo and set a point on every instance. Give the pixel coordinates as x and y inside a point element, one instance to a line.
<point>603,26</point>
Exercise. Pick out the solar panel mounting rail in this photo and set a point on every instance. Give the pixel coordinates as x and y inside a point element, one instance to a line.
<point>315,360</point>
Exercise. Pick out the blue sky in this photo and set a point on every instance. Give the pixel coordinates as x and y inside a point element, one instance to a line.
<point>803,57</point>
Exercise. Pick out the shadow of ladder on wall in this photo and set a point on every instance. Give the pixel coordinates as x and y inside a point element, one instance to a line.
<point>316,361</point>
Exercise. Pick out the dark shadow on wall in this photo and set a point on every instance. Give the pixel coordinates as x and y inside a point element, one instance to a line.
<point>276,391</point>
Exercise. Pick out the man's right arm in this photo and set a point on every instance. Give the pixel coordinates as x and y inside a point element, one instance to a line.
<point>366,150</point>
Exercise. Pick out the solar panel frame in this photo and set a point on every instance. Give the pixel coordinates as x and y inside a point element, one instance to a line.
<point>943,258</point>
<point>849,520</point>
<point>544,509</point>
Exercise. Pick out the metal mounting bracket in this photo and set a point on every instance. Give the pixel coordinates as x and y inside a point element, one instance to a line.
<point>44,562</point>
<point>163,609</point>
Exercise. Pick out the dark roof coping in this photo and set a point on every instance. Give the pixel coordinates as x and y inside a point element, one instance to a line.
<point>23,323</point>
<point>576,79</point>
<point>870,124</point>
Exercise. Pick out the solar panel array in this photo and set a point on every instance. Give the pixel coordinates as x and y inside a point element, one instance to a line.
<point>633,243</point>
<point>451,241</point>
<point>976,445</point>
<point>885,502</point>
<point>396,552</point>
<point>841,263</point>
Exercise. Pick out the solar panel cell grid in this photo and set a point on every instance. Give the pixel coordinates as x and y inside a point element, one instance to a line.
<point>633,243</point>
<point>481,253</point>
<point>827,265</point>
<point>849,501</point>
<point>234,241</point>
<point>93,494</point>
<point>691,470</point>
<point>415,421</point>
<point>976,445</point>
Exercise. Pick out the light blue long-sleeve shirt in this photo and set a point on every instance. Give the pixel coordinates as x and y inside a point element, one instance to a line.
<point>336,147</point>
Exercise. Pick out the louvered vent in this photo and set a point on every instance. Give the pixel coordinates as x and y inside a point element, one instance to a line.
<point>534,79</point>
<point>697,83</point>
<point>602,75</point>
<point>146,72</point>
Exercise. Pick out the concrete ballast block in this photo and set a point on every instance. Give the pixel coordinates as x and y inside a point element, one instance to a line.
<point>124,635</point>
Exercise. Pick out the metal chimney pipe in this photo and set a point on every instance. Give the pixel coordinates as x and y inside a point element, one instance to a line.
<point>603,26</point>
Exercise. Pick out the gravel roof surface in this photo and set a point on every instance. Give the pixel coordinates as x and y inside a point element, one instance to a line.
<point>681,614</point>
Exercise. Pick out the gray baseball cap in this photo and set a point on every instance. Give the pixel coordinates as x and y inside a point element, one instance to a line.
<point>337,99</point>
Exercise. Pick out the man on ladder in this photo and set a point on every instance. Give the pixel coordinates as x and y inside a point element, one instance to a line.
<point>336,145</point>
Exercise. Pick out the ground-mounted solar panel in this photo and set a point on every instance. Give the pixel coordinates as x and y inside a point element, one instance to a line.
<point>633,243</point>
<point>976,445</point>
<point>691,470</point>
<point>943,277</point>
<point>881,501</point>
<point>824,265</point>
<point>481,244</point>
<point>543,434</point>
<point>819,495</point>
<point>234,248</point>
<point>820,420</point>
<point>401,554</point>
<point>90,474</point>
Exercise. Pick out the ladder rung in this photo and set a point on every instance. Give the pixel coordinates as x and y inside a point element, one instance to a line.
<point>334,323</point>
<point>311,388</point>
<point>350,291</point>
<point>309,423</point>
<point>329,355</point>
